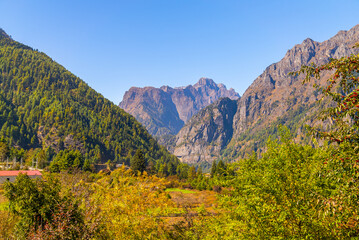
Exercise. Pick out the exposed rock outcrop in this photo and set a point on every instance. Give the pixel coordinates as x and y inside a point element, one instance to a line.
<point>205,135</point>
<point>273,96</point>
<point>165,110</point>
<point>275,85</point>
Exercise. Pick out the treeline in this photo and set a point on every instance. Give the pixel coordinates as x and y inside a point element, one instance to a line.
<point>291,191</point>
<point>46,110</point>
<point>294,191</point>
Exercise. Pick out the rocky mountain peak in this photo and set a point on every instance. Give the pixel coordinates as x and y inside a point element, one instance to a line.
<point>166,88</point>
<point>205,82</point>
<point>343,36</point>
<point>273,84</point>
<point>165,110</point>
<point>308,41</point>
<point>273,97</point>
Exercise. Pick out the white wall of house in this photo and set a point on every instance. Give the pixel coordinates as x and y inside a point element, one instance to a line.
<point>12,178</point>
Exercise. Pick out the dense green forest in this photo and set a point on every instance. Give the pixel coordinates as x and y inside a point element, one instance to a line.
<point>45,110</point>
<point>289,191</point>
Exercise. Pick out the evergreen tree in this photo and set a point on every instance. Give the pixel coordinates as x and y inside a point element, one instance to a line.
<point>213,169</point>
<point>138,162</point>
<point>87,166</point>
<point>192,173</point>
<point>220,168</point>
<point>37,95</point>
<point>171,168</point>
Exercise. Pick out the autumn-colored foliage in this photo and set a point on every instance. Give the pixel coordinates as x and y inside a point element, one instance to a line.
<point>290,191</point>
<point>132,205</point>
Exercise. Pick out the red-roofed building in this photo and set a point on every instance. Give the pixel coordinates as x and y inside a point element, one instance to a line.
<point>11,175</point>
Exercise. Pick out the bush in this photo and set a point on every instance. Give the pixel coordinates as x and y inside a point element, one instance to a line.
<point>217,189</point>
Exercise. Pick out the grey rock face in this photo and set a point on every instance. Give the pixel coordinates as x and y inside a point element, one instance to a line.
<point>153,108</point>
<point>207,133</point>
<point>269,97</point>
<point>274,84</point>
<point>165,110</point>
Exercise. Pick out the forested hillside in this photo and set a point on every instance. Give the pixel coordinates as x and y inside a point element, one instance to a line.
<point>289,191</point>
<point>274,98</point>
<point>47,108</point>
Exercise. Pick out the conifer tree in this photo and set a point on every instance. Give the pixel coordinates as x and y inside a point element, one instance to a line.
<point>220,168</point>
<point>213,169</point>
<point>138,162</point>
<point>192,172</point>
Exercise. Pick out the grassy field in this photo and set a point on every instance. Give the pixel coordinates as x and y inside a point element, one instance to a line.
<point>190,204</point>
<point>4,204</point>
<point>179,190</point>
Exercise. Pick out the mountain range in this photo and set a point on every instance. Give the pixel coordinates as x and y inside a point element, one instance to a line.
<point>44,106</point>
<point>274,98</point>
<point>165,110</point>
<point>231,128</point>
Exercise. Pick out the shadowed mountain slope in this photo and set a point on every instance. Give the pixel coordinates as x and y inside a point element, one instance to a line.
<point>273,98</point>
<point>165,110</point>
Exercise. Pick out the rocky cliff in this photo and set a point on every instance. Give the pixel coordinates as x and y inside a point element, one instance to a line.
<point>206,134</point>
<point>273,98</point>
<point>165,110</point>
<point>273,92</point>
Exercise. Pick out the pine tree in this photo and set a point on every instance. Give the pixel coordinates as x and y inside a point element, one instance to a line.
<point>87,166</point>
<point>221,168</point>
<point>138,162</point>
<point>213,169</point>
<point>192,173</point>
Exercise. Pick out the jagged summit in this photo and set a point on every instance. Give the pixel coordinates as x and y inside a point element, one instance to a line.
<point>165,110</point>
<point>342,35</point>
<point>202,82</point>
<point>308,41</point>
<point>273,84</point>
<point>273,97</point>
<point>205,81</point>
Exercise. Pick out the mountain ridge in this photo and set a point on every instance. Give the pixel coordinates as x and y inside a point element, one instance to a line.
<point>44,107</point>
<point>273,97</point>
<point>165,110</point>
<point>3,34</point>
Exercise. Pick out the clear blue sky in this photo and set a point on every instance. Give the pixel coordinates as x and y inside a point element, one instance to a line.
<point>113,45</point>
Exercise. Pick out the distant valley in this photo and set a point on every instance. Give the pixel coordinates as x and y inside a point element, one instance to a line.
<point>229,129</point>
<point>46,107</point>
<point>229,169</point>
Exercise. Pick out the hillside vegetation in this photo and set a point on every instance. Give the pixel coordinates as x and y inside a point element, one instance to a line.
<point>274,97</point>
<point>289,191</point>
<point>45,109</point>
